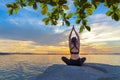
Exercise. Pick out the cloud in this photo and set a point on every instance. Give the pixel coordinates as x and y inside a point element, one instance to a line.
<point>29,27</point>
<point>36,31</point>
<point>105,32</point>
<point>71,6</point>
<point>25,21</point>
<point>28,8</point>
<point>7,45</point>
<point>33,30</point>
<point>42,35</point>
<point>102,18</point>
<point>103,29</point>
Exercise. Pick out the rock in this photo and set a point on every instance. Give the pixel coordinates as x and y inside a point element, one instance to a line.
<point>89,71</point>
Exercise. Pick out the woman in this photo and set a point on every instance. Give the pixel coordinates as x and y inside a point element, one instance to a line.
<point>74,45</point>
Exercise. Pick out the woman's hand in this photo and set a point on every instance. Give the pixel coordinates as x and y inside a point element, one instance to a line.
<point>71,33</point>
<point>73,28</point>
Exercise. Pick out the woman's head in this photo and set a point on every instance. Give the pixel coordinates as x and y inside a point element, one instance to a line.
<point>73,40</point>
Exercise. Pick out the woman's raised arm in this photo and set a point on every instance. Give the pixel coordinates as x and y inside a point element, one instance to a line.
<point>76,33</point>
<point>70,38</point>
<point>70,34</point>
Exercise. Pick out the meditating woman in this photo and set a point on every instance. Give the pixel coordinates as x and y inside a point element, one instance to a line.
<point>74,46</point>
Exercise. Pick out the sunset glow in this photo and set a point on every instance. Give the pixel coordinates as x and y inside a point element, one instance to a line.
<point>26,33</point>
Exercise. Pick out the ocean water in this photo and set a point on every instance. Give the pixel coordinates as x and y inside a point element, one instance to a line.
<point>28,67</point>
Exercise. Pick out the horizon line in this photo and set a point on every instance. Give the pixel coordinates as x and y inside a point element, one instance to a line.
<point>19,53</point>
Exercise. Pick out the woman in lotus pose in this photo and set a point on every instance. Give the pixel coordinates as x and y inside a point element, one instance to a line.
<point>74,46</point>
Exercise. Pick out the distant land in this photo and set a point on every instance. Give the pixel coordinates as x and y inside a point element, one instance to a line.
<point>17,53</point>
<point>6,53</point>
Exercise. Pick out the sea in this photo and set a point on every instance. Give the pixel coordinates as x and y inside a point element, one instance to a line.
<point>28,67</point>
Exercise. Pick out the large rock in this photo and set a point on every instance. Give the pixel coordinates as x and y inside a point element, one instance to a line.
<point>89,71</point>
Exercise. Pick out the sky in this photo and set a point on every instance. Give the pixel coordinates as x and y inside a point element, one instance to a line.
<point>26,33</point>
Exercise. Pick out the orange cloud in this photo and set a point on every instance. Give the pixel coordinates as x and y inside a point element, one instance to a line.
<point>31,47</point>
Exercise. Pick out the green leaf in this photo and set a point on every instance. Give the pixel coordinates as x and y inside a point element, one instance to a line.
<point>42,5</point>
<point>113,7</point>
<point>88,28</point>
<point>95,3</point>
<point>30,2</point>
<point>65,7</point>
<point>78,10</point>
<point>86,5</point>
<point>35,6</point>
<point>118,12</point>
<point>49,14</point>
<point>116,17</point>
<point>64,16</point>
<point>44,10</point>
<point>109,13</point>
<point>67,23</point>
<point>23,5</point>
<point>76,2</point>
<point>84,22</point>
<point>69,15</point>
<point>55,1</point>
<point>62,12</point>
<point>9,5</point>
<point>89,10</point>
<point>54,22</point>
<point>14,5</point>
<point>78,21</point>
<point>16,9</point>
<point>81,29</point>
<point>56,16</point>
<point>46,20</point>
<point>82,2</point>
<point>53,9</point>
<point>107,3</point>
<point>82,15</point>
<point>61,2</point>
<point>10,11</point>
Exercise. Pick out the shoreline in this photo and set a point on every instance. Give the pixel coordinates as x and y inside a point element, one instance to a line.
<point>54,54</point>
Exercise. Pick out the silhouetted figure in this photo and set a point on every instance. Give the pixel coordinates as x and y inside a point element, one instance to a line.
<point>74,46</point>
